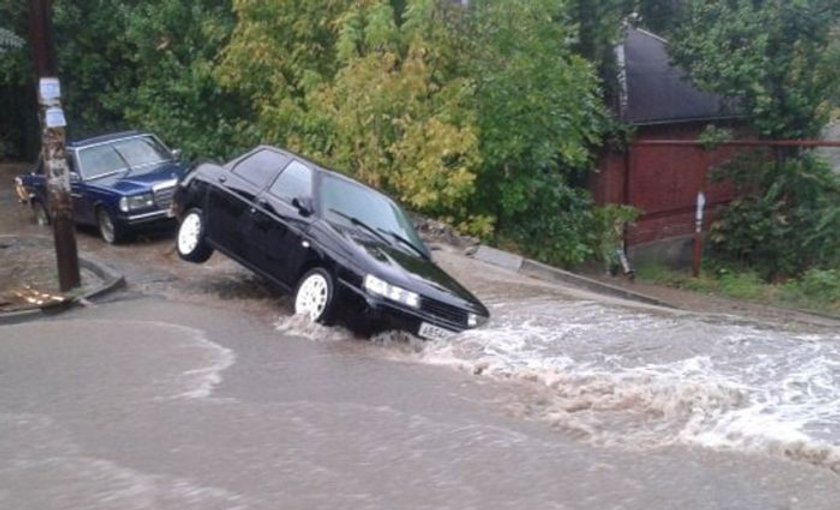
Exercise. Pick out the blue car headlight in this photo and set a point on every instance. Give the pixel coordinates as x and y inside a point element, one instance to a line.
<point>136,202</point>
<point>382,288</point>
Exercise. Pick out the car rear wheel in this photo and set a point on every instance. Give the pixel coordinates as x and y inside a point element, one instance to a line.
<point>42,217</point>
<point>190,242</point>
<point>314,296</point>
<point>111,231</point>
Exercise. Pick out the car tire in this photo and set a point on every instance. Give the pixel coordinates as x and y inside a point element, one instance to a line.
<point>189,241</point>
<point>314,296</point>
<point>111,231</point>
<point>42,216</point>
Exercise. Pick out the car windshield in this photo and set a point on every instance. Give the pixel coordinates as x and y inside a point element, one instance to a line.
<point>342,199</point>
<point>124,154</point>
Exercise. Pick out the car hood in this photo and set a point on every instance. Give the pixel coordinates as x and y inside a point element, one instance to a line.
<point>407,269</point>
<point>142,179</point>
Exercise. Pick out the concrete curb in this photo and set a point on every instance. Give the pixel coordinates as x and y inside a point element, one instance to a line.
<point>545,272</point>
<point>111,280</point>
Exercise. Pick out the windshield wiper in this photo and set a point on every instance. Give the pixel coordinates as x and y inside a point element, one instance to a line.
<point>122,158</point>
<point>359,223</point>
<point>405,241</point>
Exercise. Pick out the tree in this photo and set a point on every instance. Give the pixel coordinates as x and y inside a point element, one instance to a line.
<point>397,114</point>
<point>660,16</point>
<point>539,113</point>
<point>775,57</point>
<point>8,40</point>
<point>279,52</point>
<point>779,61</point>
<point>172,89</point>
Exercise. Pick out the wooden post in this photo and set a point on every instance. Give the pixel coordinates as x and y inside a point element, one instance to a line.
<point>52,145</point>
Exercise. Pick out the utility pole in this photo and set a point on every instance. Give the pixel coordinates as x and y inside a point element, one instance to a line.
<point>52,144</point>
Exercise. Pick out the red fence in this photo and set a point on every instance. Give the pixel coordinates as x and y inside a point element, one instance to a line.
<point>663,177</point>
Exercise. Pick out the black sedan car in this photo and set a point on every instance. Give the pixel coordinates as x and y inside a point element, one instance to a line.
<point>119,183</point>
<point>338,244</point>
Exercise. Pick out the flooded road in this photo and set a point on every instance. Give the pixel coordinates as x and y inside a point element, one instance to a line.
<point>153,404</point>
<point>641,378</point>
<point>195,388</point>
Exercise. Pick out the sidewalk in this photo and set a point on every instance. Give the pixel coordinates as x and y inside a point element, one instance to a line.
<point>29,279</point>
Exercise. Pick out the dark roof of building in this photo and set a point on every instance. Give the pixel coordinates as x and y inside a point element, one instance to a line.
<point>658,92</point>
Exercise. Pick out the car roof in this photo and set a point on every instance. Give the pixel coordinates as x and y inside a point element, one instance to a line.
<point>317,167</point>
<point>75,144</point>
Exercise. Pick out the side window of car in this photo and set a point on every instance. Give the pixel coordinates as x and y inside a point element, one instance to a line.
<point>294,182</point>
<point>260,167</point>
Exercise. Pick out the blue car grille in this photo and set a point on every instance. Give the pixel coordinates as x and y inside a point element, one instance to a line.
<point>163,196</point>
<point>446,312</point>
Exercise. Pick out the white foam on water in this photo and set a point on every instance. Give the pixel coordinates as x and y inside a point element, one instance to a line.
<point>621,377</point>
<point>201,382</point>
<point>193,383</point>
<point>302,326</point>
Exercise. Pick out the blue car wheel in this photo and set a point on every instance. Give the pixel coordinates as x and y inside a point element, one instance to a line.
<point>42,217</point>
<point>111,231</point>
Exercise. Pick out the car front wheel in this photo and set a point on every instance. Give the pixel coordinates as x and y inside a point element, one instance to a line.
<point>190,242</point>
<point>111,231</point>
<point>314,296</point>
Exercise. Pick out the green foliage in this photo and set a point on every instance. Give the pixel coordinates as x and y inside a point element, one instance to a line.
<point>393,116</point>
<point>145,65</point>
<point>776,58</point>
<point>608,225</point>
<point>481,116</point>
<point>660,16</point>
<point>815,286</point>
<point>816,289</point>
<point>93,61</point>
<point>172,90</point>
<point>712,136</point>
<point>789,223</point>
<point>9,40</point>
<point>555,226</point>
<point>538,113</point>
<point>280,51</point>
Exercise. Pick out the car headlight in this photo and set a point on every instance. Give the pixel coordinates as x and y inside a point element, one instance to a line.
<point>135,202</point>
<point>474,320</point>
<point>382,288</point>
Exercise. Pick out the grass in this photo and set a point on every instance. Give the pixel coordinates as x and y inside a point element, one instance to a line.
<point>817,290</point>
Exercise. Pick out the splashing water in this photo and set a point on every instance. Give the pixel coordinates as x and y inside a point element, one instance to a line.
<point>634,379</point>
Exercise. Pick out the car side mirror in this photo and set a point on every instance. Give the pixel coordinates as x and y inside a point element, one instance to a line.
<point>75,177</point>
<point>303,205</point>
<point>176,154</point>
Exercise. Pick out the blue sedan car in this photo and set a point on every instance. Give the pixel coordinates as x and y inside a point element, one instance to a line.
<point>119,183</point>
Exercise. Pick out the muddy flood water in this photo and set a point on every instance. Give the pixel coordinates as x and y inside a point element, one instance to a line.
<point>641,379</point>
<point>606,399</point>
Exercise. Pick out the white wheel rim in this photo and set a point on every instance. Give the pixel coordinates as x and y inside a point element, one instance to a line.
<point>312,296</point>
<point>189,233</point>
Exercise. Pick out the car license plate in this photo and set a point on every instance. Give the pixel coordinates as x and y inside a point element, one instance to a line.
<point>433,332</point>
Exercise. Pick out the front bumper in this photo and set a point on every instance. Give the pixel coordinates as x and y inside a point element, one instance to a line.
<point>389,315</point>
<point>147,217</point>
